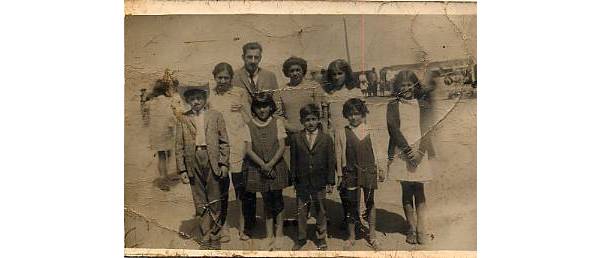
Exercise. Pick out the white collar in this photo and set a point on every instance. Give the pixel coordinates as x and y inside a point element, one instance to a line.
<point>261,123</point>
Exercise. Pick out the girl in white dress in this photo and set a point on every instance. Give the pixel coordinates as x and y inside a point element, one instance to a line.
<point>408,152</point>
<point>161,109</point>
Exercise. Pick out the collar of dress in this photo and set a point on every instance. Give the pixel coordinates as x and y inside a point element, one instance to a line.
<point>260,123</point>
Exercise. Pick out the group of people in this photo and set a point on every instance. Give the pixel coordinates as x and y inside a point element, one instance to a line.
<point>314,136</point>
<point>369,84</point>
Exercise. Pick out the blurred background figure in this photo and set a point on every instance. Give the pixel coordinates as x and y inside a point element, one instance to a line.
<point>159,110</point>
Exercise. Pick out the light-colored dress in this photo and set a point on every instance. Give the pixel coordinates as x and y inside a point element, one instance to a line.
<point>336,101</point>
<point>292,99</point>
<point>410,126</point>
<point>161,112</point>
<point>237,130</point>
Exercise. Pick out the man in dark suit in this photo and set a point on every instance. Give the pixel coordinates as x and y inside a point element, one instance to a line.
<point>202,155</point>
<point>253,79</point>
<point>313,172</point>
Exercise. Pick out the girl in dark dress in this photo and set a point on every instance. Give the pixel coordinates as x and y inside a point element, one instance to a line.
<point>267,171</point>
<point>361,167</point>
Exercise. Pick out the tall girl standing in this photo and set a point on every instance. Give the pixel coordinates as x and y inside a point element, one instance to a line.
<point>409,151</point>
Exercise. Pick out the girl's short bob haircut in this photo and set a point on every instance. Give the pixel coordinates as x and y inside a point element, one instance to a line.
<point>294,61</point>
<point>354,105</point>
<point>222,67</point>
<point>263,99</point>
<point>402,76</point>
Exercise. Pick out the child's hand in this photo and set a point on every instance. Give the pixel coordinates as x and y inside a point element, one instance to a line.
<point>184,178</point>
<point>381,175</point>
<point>411,154</point>
<point>218,172</point>
<point>224,171</point>
<point>267,167</point>
<point>329,188</point>
<point>271,174</point>
<point>418,158</point>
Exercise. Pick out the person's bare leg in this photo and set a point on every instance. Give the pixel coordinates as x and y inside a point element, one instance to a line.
<point>351,234</point>
<point>422,234</point>
<point>162,171</point>
<point>269,229</point>
<point>268,213</point>
<point>279,229</point>
<point>409,212</point>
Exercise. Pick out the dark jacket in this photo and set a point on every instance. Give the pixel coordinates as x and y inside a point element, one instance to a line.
<point>314,167</point>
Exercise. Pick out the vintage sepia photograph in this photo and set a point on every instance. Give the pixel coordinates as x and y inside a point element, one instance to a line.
<point>301,132</point>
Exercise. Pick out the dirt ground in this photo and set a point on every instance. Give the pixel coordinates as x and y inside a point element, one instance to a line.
<point>153,218</point>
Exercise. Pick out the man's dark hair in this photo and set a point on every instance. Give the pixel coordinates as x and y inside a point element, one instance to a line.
<point>263,99</point>
<point>309,109</point>
<point>354,104</point>
<point>294,61</point>
<point>251,45</point>
<point>193,92</point>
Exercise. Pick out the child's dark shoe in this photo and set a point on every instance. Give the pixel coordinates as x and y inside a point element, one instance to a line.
<point>298,245</point>
<point>322,245</point>
<point>411,237</point>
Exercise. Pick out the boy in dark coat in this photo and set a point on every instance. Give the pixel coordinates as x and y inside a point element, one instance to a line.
<point>312,160</point>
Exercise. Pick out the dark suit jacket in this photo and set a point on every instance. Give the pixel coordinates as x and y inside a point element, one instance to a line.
<point>314,167</point>
<point>266,81</point>
<point>397,139</point>
<point>216,141</point>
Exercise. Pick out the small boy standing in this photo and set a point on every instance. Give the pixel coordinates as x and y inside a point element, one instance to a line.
<point>312,161</point>
<point>202,154</point>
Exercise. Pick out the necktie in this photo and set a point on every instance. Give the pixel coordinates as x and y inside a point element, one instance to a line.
<point>252,83</point>
<point>311,139</point>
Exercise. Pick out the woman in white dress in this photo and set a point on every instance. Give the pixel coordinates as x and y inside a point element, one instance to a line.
<point>409,151</point>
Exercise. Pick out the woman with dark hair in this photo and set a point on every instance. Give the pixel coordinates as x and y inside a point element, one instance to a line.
<point>340,85</point>
<point>298,93</point>
<point>230,102</point>
<point>160,108</point>
<point>409,151</point>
